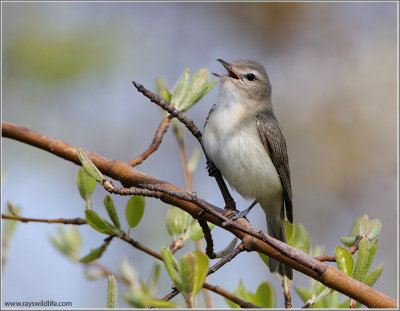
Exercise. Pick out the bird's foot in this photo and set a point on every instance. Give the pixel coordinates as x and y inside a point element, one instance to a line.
<point>211,169</point>
<point>244,213</point>
<point>234,215</point>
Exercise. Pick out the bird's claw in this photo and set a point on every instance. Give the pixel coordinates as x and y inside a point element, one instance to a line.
<point>211,168</point>
<point>235,215</point>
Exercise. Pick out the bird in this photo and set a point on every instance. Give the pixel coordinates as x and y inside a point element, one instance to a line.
<point>244,140</point>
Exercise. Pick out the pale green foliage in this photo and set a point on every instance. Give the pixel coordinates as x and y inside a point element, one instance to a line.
<point>187,91</point>
<point>68,241</point>
<point>140,294</point>
<point>98,223</point>
<point>134,210</point>
<point>111,292</point>
<point>320,296</point>
<point>188,275</point>
<point>263,297</point>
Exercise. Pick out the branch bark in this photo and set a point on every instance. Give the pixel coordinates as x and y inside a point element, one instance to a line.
<point>253,239</point>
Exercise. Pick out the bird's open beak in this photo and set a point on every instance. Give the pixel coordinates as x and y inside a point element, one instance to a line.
<point>231,73</point>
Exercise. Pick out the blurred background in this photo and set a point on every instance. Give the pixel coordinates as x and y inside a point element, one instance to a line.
<point>67,72</point>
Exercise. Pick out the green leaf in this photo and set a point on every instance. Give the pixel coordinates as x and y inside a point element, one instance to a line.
<point>160,85</point>
<point>209,87</point>
<point>60,245</point>
<point>201,269</point>
<point>265,295</point>
<point>112,213</point>
<point>288,229</point>
<point>371,252</point>
<point>323,292</point>
<point>371,278</point>
<point>348,241</point>
<point>194,267</point>
<point>318,288</point>
<point>162,89</point>
<point>128,271</point>
<point>98,223</point>
<point>177,220</point>
<point>134,210</point>
<point>364,222</point>
<point>135,299</point>
<point>374,227</point>
<point>155,275</point>
<point>171,264</point>
<point>86,183</point>
<point>332,300</point>
<point>344,260</point>
<point>93,254</point>
<point>300,238</point>
<point>89,167</point>
<point>264,258</point>
<point>304,293</point>
<point>194,160</point>
<point>345,304</point>
<point>195,232</point>
<point>159,304</point>
<point>355,229</point>
<point>242,293</point>
<point>111,292</point>
<point>181,89</point>
<point>188,264</point>
<point>196,90</point>
<point>360,270</point>
<point>73,239</point>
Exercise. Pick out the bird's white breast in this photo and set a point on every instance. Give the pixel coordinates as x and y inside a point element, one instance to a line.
<point>232,141</point>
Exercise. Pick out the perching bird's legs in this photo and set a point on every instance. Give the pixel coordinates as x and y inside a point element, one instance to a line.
<point>244,213</point>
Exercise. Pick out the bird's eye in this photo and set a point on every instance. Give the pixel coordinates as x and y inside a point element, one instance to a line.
<point>250,76</point>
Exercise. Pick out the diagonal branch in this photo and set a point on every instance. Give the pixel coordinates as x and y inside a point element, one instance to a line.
<point>229,202</point>
<point>256,241</point>
<point>162,129</point>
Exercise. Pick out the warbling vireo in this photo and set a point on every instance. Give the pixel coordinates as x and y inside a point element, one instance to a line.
<point>243,139</point>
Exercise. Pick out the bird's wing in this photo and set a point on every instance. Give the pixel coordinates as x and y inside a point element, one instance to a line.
<point>275,144</point>
<point>208,116</point>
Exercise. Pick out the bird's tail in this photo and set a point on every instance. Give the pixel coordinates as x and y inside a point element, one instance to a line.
<point>276,229</point>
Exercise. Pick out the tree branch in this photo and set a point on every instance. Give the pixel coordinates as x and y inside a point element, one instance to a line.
<point>352,250</point>
<point>228,295</point>
<point>252,239</point>
<point>73,221</point>
<point>229,202</point>
<point>162,129</point>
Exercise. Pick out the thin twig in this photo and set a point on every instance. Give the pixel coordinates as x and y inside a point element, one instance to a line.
<point>231,297</point>
<point>352,250</point>
<point>105,272</point>
<point>162,129</point>
<point>208,237</point>
<point>227,258</point>
<point>73,221</point>
<point>138,245</point>
<point>229,202</point>
<point>171,109</point>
